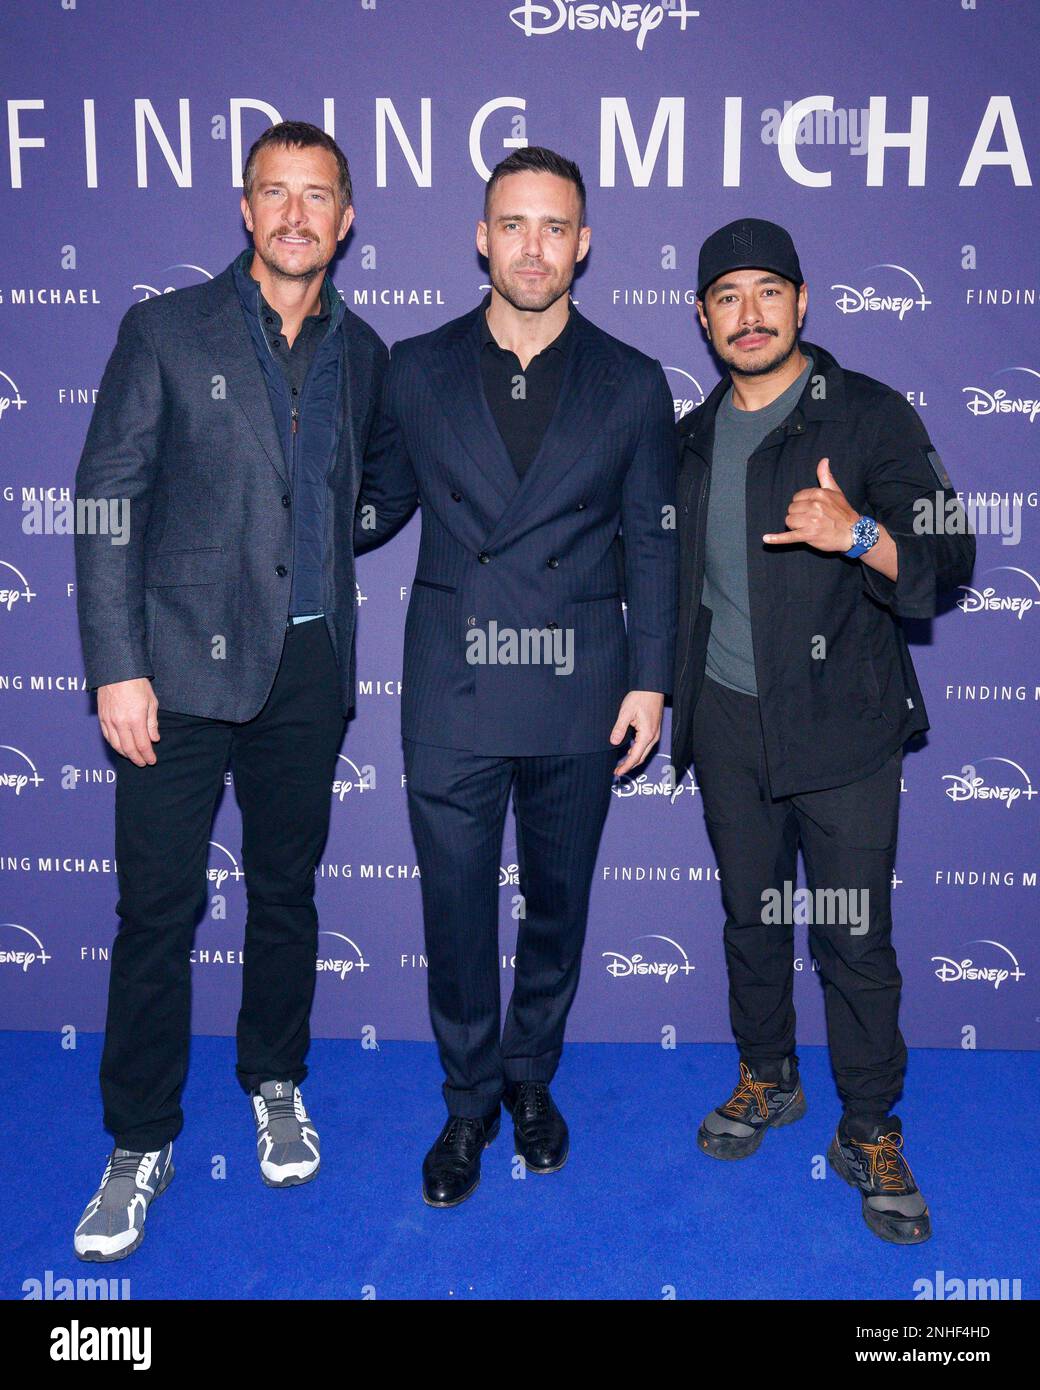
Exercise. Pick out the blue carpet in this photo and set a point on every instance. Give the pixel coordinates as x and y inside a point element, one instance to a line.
<point>636,1212</point>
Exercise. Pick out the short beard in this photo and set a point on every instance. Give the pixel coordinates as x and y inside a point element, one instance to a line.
<point>504,291</point>
<point>293,277</point>
<point>763,368</point>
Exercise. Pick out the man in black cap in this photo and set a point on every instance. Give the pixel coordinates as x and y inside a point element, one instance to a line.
<point>796,693</point>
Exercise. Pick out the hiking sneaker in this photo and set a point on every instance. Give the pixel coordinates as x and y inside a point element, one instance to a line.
<point>112,1226</point>
<point>286,1140</point>
<point>873,1161</point>
<point>760,1101</point>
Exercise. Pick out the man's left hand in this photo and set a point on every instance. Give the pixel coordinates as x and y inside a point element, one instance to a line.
<point>819,516</point>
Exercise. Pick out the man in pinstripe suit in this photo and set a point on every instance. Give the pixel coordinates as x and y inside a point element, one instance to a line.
<point>531,437</point>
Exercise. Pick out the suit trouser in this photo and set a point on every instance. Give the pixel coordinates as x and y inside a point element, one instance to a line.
<point>282,761</point>
<point>848,840</point>
<point>457,804</point>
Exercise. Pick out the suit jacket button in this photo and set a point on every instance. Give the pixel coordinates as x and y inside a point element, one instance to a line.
<point>280,571</point>
<point>552,626</point>
<point>286,500</point>
<point>484,557</point>
<point>456,496</point>
<point>580,507</point>
<point>553,563</point>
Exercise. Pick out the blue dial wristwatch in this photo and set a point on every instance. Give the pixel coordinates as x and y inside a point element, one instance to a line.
<point>864,535</point>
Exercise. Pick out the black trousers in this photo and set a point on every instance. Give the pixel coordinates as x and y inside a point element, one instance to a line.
<point>848,838</point>
<point>457,805</point>
<point>282,762</point>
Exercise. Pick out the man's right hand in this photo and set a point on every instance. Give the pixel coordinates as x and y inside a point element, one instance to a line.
<point>129,715</point>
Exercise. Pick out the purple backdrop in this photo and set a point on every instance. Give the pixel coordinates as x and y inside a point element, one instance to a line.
<point>125,129</point>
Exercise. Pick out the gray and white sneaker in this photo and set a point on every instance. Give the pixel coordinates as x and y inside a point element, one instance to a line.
<point>286,1140</point>
<point>112,1226</point>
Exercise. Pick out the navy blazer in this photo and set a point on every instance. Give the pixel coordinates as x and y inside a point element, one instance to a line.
<point>540,554</point>
<point>183,428</point>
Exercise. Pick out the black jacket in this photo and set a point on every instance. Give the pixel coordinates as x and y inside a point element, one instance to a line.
<point>833,718</point>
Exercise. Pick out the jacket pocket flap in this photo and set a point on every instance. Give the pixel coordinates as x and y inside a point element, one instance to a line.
<point>434,584</point>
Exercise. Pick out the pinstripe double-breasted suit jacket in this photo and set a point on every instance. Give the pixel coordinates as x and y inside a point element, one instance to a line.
<point>591,523</point>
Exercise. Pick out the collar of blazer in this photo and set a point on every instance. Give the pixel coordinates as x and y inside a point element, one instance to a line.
<point>823,398</point>
<point>588,394</point>
<point>222,327</point>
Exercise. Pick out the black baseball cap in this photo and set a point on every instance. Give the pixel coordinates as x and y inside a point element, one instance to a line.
<point>749,244</point>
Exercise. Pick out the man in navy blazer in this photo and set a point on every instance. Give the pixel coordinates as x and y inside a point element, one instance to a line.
<point>234,417</point>
<point>534,438</point>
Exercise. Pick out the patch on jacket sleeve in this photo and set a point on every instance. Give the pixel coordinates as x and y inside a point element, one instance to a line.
<point>938,467</point>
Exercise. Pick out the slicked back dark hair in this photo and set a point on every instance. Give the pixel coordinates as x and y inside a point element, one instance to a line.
<point>537,159</point>
<point>299,135</point>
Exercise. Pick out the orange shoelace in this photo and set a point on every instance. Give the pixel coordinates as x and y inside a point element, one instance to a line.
<point>748,1090</point>
<point>886,1162</point>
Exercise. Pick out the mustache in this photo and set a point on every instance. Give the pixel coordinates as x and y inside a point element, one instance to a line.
<point>746,332</point>
<point>288,231</point>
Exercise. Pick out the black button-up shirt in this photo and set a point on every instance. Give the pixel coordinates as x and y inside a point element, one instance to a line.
<point>296,360</point>
<point>522,402</point>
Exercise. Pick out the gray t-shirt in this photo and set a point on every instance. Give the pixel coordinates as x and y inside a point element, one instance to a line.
<point>738,433</point>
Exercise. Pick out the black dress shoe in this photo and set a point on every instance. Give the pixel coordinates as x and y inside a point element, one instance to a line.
<point>451,1170</point>
<point>540,1131</point>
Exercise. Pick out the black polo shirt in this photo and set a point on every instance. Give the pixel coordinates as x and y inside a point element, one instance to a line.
<point>296,360</point>
<point>522,403</point>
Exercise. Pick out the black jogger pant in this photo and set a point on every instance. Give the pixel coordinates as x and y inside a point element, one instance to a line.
<point>848,839</point>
